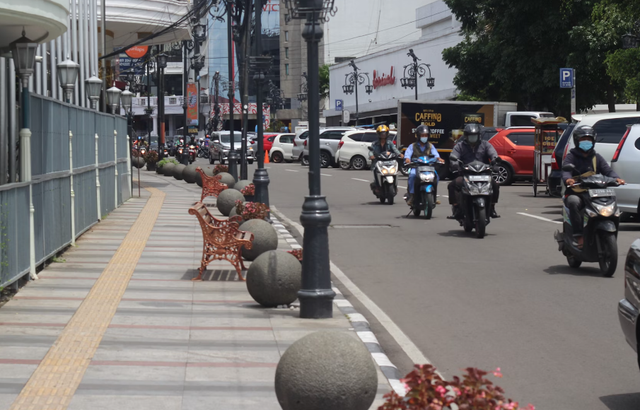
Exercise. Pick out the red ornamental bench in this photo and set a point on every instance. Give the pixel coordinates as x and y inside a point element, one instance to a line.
<point>222,239</point>
<point>211,186</point>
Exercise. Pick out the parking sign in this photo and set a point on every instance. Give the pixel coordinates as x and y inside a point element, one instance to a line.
<point>566,78</point>
<point>339,104</point>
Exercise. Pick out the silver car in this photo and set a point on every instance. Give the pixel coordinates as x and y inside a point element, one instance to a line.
<point>628,307</point>
<point>220,145</point>
<point>329,140</point>
<point>625,163</point>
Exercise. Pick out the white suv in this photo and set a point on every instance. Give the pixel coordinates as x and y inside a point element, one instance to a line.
<point>353,150</point>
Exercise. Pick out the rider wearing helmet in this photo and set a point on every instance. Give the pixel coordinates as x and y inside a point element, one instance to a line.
<point>422,147</point>
<point>471,148</point>
<point>586,162</point>
<point>382,145</point>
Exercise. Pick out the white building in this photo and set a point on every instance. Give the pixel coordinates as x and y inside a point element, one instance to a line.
<point>439,30</point>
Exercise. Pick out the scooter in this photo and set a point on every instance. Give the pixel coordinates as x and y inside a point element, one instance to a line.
<point>385,171</point>
<point>179,153</point>
<point>203,152</point>
<point>601,218</point>
<point>165,153</point>
<point>476,196</point>
<point>424,197</point>
<point>192,153</point>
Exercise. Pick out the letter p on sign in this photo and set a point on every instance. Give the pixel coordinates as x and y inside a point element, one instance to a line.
<point>566,78</point>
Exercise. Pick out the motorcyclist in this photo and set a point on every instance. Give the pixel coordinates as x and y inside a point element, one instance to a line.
<point>587,162</point>
<point>469,149</point>
<point>422,147</point>
<point>382,145</point>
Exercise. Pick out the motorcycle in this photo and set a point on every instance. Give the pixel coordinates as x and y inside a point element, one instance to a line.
<point>203,152</point>
<point>179,153</point>
<point>192,153</point>
<point>385,187</point>
<point>476,195</point>
<point>424,197</point>
<point>165,153</point>
<point>601,218</point>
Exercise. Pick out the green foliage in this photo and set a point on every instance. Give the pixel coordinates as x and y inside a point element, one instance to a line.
<point>624,66</point>
<point>324,81</point>
<point>276,126</point>
<point>166,161</point>
<point>58,260</point>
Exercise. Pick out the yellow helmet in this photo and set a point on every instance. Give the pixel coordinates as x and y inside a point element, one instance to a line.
<point>382,128</point>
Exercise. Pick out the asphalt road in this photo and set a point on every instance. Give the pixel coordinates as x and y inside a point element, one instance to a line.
<point>508,300</point>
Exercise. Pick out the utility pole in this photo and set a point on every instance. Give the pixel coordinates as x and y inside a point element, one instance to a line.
<point>233,168</point>
<point>245,91</point>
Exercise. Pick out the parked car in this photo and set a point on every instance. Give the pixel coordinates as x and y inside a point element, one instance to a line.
<point>268,141</point>
<point>628,307</point>
<point>554,180</point>
<point>220,146</point>
<point>515,147</point>
<point>610,128</point>
<point>282,148</point>
<point>523,118</point>
<point>488,132</point>
<point>626,163</point>
<point>329,140</point>
<point>353,149</point>
<point>298,145</point>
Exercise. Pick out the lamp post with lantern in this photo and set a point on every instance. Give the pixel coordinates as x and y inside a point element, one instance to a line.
<point>316,295</point>
<point>352,81</point>
<point>414,70</point>
<point>161,61</point>
<point>67,76</point>
<point>93,87</point>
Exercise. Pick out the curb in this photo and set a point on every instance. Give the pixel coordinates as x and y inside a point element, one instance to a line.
<point>357,320</point>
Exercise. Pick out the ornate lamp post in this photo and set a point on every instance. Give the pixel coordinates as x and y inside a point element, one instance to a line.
<point>260,66</point>
<point>316,295</point>
<point>113,99</point>
<point>93,87</point>
<point>353,80</point>
<point>414,70</point>
<point>127,103</point>
<point>67,76</point>
<point>161,60</point>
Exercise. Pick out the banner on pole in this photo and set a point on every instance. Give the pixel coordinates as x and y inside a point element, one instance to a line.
<point>192,104</point>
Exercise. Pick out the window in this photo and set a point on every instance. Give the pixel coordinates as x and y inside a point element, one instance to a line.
<point>286,139</point>
<point>304,135</point>
<point>370,137</point>
<point>524,139</point>
<point>356,137</point>
<point>521,120</point>
<point>286,69</point>
<point>611,131</point>
<point>332,135</point>
<point>270,139</point>
<point>286,36</point>
<point>286,52</point>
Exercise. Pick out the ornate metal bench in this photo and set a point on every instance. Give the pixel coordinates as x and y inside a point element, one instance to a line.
<point>211,186</point>
<point>222,240</point>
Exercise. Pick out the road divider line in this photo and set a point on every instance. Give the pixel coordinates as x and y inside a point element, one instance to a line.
<point>540,218</point>
<point>361,180</point>
<point>326,175</point>
<point>403,187</point>
<point>291,170</point>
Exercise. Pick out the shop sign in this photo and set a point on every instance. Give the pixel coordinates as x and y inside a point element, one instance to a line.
<point>382,79</point>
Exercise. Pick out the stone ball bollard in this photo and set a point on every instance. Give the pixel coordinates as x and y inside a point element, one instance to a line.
<point>167,169</point>
<point>138,162</point>
<point>265,237</point>
<point>177,171</point>
<point>227,200</point>
<point>189,174</point>
<point>227,178</point>
<point>159,170</point>
<point>326,370</point>
<point>274,279</point>
<point>240,185</point>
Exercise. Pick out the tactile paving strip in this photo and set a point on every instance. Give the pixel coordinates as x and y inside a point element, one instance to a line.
<point>53,384</point>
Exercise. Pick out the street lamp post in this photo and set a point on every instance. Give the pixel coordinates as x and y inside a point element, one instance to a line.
<point>353,80</point>
<point>67,76</point>
<point>414,70</point>
<point>233,155</point>
<point>127,103</point>
<point>161,60</point>
<point>93,86</point>
<point>113,99</point>
<point>316,295</point>
<point>260,66</point>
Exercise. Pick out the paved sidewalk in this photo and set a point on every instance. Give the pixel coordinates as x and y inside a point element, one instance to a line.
<point>118,323</point>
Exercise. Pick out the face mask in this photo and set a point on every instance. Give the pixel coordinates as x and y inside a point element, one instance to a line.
<point>585,145</point>
<point>424,139</point>
<point>472,139</point>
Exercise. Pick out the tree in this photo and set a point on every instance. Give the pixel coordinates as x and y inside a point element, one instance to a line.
<point>324,81</point>
<point>512,51</point>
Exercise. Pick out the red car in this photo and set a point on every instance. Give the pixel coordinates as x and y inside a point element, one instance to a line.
<point>268,141</point>
<point>515,146</point>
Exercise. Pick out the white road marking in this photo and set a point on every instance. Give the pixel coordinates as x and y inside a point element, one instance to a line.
<point>540,218</point>
<point>403,187</point>
<point>291,170</point>
<point>362,180</point>
<point>326,175</point>
<point>414,353</point>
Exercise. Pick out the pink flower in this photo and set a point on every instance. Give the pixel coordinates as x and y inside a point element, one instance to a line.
<point>497,373</point>
<point>441,390</point>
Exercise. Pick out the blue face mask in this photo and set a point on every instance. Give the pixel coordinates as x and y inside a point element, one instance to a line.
<point>424,139</point>
<point>585,145</point>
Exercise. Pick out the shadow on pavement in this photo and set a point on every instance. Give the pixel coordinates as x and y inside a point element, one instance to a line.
<point>585,270</point>
<point>154,184</point>
<point>556,212</point>
<point>460,233</point>
<point>622,401</point>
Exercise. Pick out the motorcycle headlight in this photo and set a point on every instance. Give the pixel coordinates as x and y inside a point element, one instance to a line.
<point>426,177</point>
<point>384,171</point>
<point>606,210</point>
<point>393,170</point>
<point>591,213</point>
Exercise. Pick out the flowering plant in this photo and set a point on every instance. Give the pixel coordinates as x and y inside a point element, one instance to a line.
<point>220,168</point>
<point>427,390</point>
<point>248,190</point>
<point>297,253</point>
<point>251,210</point>
<point>151,157</point>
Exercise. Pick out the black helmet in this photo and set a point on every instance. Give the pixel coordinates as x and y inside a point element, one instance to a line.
<point>422,129</point>
<point>584,131</point>
<point>472,129</point>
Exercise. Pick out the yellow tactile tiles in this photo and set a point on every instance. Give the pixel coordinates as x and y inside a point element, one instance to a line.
<point>54,382</point>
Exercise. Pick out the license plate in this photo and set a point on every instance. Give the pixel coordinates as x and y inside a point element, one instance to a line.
<point>596,193</point>
<point>479,178</point>
<point>426,169</point>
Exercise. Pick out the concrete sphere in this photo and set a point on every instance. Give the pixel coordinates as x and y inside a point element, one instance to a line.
<point>159,170</point>
<point>189,174</point>
<point>227,178</point>
<point>240,185</point>
<point>326,370</point>
<point>177,172</point>
<point>265,237</point>
<point>208,170</point>
<point>227,200</point>
<point>138,162</point>
<point>274,279</point>
<point>167,169</point>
